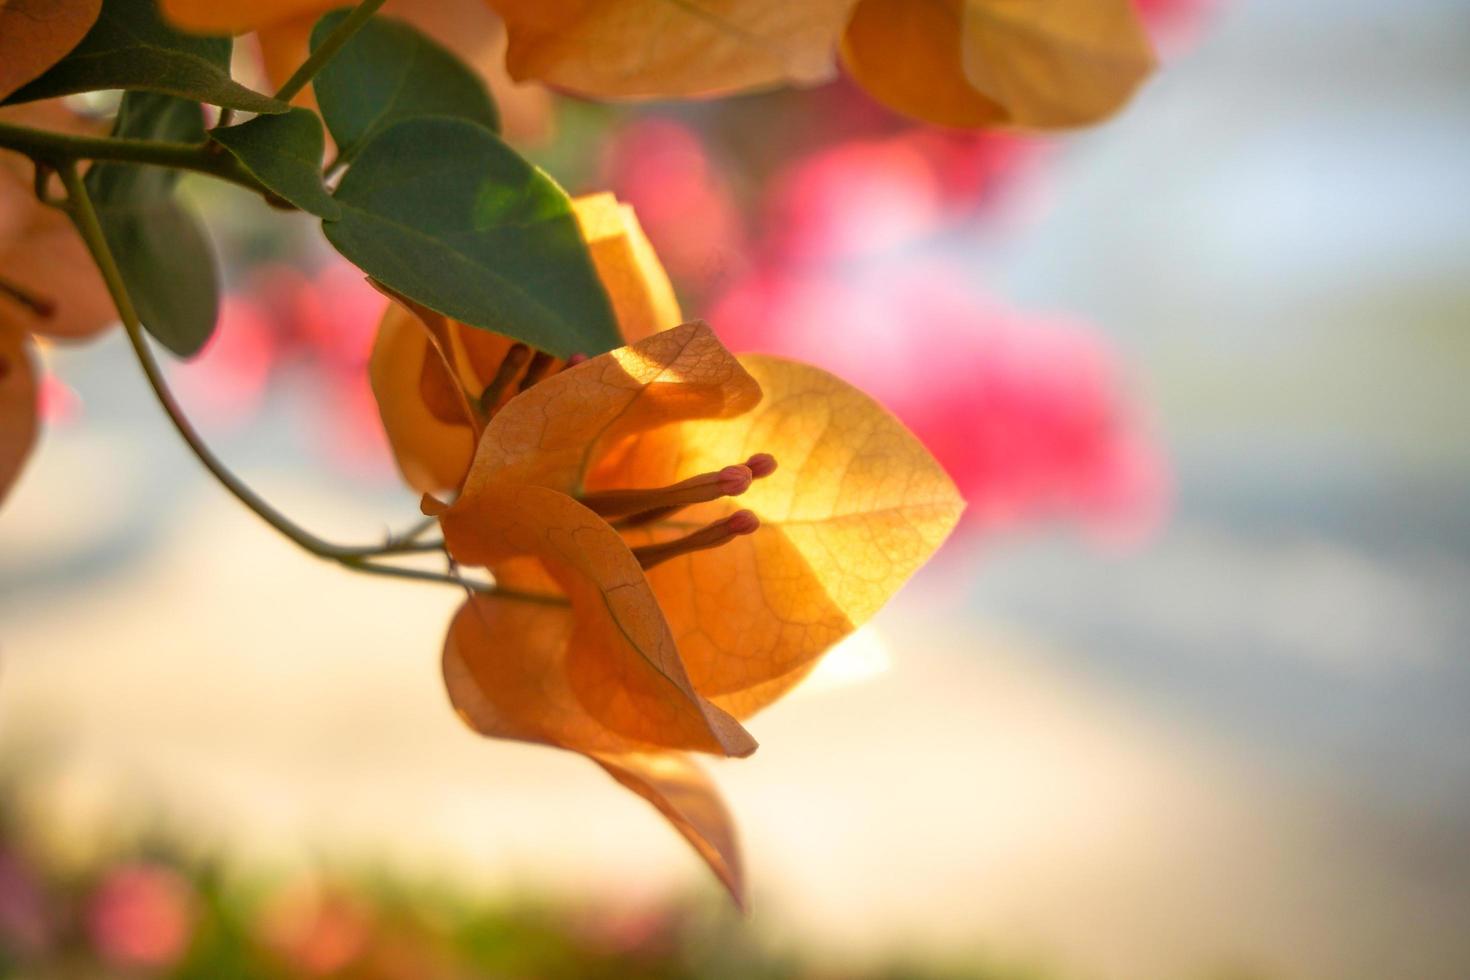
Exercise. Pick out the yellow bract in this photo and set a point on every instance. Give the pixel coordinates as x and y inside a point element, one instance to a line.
<point>855,507</point>
<point>35,34</point>
<point>998,62</point>
<point>584,649</point>
<point>432,439</point>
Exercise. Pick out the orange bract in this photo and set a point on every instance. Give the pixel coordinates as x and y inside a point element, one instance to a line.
<point>35,34</point>
<point>660,48</point>
<point>953,62</point>
<point>637,635</point>
<point>993,62</point>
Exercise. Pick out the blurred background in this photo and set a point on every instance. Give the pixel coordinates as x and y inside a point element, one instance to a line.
<point>1188,695</point>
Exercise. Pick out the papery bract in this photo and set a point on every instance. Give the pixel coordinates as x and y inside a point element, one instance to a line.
<point>659,48</point>
<point>997,62</point>
<point>597,646</point>
<point>35,34</point>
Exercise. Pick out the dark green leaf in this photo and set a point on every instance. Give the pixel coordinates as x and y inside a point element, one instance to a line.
<point>164,254</point>
<point>444,212</point>
<point>167,262</point>
<point>130,47</point>
<point>285,154</point>
<point>388,72</point>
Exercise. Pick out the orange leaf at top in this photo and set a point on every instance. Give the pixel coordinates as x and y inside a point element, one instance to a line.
<point>238,16</point>
<point>17,406</point>
<point>504,670</point>
<point>997,62</point>
<point>619,663</point>
<point>662,48</point>
<point>855,506</point>
<point>549,434</point>
<point>36,34</point>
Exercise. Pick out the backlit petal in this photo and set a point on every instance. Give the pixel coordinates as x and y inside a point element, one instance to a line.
<point>998,62</point>
<point>661,48</point>
<point>548,434</point>
<point>504,670</point>
<point>855,507</point>
<point>619,663</point>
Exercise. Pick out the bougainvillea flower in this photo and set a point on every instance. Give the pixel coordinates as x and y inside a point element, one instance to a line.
<point>954,62</point>
<point>676,536</point>
<point>679,536</point>
<point>430,426</point>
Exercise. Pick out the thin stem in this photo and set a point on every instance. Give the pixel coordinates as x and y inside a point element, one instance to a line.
<point>56,150</point>
<point>84,216</point>
<point>415,574</point>
<point>329,47</point>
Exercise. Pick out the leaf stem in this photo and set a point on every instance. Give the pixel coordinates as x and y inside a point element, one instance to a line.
<point>58,150</point>
<point>329,47</point>
<point>79,206</point>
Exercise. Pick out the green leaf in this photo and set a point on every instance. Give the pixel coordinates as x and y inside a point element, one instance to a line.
<point>167,262</point>
<point>285,154</point>
<point>388,72</point>
<point>164,255</point>
<point>130,47</point>
<point>444,212</point>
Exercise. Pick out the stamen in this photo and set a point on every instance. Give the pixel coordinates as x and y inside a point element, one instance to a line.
<point>731,481</point>
<point>761,465</point>
<point>540,368</point>
<point>510,366</point>
<point>758,466</point>
<point>711,536</point>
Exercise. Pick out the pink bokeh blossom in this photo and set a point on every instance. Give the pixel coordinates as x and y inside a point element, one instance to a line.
<point>141,915</point>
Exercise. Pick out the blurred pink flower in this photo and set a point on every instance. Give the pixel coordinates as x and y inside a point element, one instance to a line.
<point>1175,25</point>
<point>58,402</point>
<point>225,383</point>
<point>1028,413</point>
<point>141,915</point>
<point>684,202</point>
<point>876,195</point>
